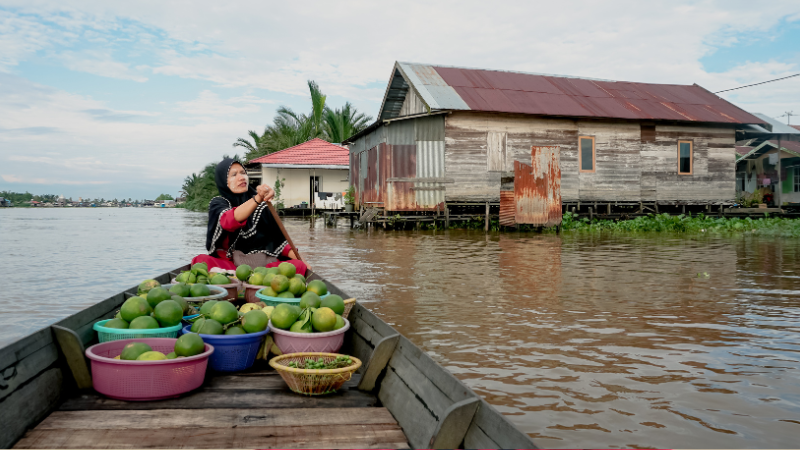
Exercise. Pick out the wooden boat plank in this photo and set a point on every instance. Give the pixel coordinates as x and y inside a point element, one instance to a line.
<point>357,346</point>
<point>499,429</point>
<point>476,438</point>
<point>263,381</point>
<point>222,398</point>
<point>29,404</point>
<point>31,365</point>
<point>324,436</point>
<point>445,381</point>
<point>16,352</point>
<point>214,418</point>
<point>381,328</point>
<point>420,385</point>
<point>417,422</point>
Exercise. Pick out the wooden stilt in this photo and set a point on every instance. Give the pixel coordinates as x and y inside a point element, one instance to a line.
<point>486,225</point>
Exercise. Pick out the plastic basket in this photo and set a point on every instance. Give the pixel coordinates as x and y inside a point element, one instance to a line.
<point>329,342</point>
<point>114,334</point>
<point>313,381</point>
<point>233,288</point>
<point>217,293</point>
<point>250,292</point>
<point>275,301</point>
<point>232,352</point>
<point>145,380</point>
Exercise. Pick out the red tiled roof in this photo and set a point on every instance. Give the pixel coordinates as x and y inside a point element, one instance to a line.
<point>796,127</point>
<point>314,152</point>
<point>743,150</point>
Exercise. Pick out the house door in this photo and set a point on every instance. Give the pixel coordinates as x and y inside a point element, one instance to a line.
<point>537,188</point>
<point>313,188</point>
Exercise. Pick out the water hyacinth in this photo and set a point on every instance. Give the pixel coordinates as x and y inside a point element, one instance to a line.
<point>767,226</point>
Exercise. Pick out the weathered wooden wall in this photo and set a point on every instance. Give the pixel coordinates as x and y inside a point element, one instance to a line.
<point>478,145</point>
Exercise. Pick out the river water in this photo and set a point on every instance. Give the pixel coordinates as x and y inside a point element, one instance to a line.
<point>583,341</point>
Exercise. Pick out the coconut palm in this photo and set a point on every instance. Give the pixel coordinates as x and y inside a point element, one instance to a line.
<point>340,124</point>
<point>249,147</point>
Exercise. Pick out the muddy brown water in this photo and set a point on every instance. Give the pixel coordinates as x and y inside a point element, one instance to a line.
<point>583,341</point>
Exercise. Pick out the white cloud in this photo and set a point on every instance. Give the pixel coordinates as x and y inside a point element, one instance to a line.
<point>48,181</point>
<point>211,105</point>
<point>100,63</point>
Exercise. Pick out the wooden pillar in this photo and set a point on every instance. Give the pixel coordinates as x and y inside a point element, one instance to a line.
<point>486,226</point>
<point>608,209</point>
<point>591,214</point>
<point>656,207</point>
<point>683,209</point>
<point>446,216</point>
<point>779,189</point>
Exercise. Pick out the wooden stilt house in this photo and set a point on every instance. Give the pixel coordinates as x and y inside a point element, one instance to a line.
<point>531,145</point>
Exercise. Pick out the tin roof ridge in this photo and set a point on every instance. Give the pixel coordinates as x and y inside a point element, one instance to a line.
<point>523,72</point>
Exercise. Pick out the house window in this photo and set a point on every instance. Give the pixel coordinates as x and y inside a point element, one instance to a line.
<point>685,157</point>
<point>586,149</point>
<point>796,178</point>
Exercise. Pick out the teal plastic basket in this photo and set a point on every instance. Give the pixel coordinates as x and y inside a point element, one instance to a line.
<point>114,334</point>
<point>275,301</point>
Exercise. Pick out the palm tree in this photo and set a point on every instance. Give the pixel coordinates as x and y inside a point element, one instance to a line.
<point>244,143</point>
<point>340,124</point>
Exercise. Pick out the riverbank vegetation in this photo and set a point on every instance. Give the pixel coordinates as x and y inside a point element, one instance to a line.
<point>664,223</point>
<point>766,225</point>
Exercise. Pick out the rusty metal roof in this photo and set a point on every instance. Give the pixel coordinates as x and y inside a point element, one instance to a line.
<point>455,88</point>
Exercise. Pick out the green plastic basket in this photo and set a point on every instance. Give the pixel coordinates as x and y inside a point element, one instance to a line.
<point>275,301</point>
<point>114,334</point>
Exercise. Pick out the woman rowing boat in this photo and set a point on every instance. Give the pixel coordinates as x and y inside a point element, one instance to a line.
<point>241,229</point>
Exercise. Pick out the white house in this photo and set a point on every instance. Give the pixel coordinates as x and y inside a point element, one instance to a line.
<point>314,171</point>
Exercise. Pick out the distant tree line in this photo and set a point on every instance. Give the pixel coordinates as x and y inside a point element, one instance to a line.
<point>18,198</point>
<point>288,129</point>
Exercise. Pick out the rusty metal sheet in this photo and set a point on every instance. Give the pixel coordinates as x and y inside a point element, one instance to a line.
<point>371,189</point>
<point>497,91</point>
<point>403,161</point>
<point>354,178</point>
<point>508,209</point>
<point>537,188</point>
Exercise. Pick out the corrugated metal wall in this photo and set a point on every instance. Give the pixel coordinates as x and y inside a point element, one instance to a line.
<point>430,164</point>
<point>389,160</point>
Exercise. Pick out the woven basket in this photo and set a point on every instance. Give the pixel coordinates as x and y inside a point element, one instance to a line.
<point>313,381</point>
<point>348,305</point>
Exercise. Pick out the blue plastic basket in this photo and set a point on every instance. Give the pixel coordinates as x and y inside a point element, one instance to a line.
<point>114,334</point>
<point>275,301</point>
<point>232,352</point>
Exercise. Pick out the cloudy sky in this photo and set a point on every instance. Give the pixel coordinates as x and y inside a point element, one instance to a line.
<point>124,99</point>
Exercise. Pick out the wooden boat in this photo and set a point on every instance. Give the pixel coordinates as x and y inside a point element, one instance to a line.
<point>400,398</point>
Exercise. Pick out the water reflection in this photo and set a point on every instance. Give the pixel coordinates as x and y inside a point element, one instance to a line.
<point>584,341</point>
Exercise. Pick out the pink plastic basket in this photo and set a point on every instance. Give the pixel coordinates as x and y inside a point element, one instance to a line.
<point>145,380</point>
<point>289,342</point>
<point>250,292</point>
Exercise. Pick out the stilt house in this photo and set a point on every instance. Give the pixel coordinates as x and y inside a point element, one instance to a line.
<point>534,144</point>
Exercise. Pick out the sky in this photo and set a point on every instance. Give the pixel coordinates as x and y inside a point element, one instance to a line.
<point>125,99</point>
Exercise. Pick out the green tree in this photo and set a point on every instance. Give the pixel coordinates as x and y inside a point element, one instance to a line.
<point>247,145</point>
<point>200,188</point>
<point>290,128</point>
<point>163,197</point>
<point>340,124</point>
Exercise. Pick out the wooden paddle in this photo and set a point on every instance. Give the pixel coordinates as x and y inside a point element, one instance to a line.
<point>285,234</point>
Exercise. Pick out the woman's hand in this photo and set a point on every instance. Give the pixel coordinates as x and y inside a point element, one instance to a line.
<point>265,192</point>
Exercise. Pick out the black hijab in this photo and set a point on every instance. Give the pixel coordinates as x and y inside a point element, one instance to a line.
<point>260,233</point>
